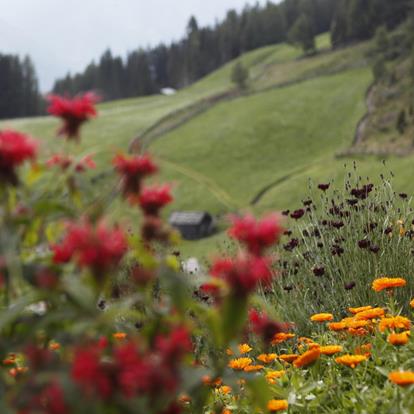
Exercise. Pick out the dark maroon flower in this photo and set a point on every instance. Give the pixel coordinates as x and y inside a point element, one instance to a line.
<point>363,192</point>
<point>297,214</point>
<point>285,212</point>
<point>307,203</point>
<point>320,245</point>
<point>288,288</point>
<point>287,233</point>
<point>350,286</point>
<point>364,244</point>
<point>337,224</point>
<point>374,248</point>
<point>337,250</point>
<point>352,201</point>
<point>403,195</point>
<point>318,270</point>
<point>293,243</point>
<point>323,187</point>
<point>388,230</point>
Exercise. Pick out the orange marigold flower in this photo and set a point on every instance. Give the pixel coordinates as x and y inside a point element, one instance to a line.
<point>253,368</point>
<point>370,314</point>
<point>272,376</point>
<point>224,389</point>
<point>351,360</point>
<point>226,411</point>
<point>336,326</point>
<point>388,283</point>
<point>281,337</point>
<point>330,349</point>
<point>307,358</point>
<point>240,363</point>
<point>277,405</point>
<point>305,339</point>
<point>358,331</point>
<point>398,338</point>
<point>402,378</point>
<point>244,348</point>
<point>229,352</point>
<point>288,357</point>
<point>394,322</point>
<point>267,358</point>
<point>364,349</point>
<point>119,335</point>
<point>355,324</point>
<point>54,346</point>
<point>412,303</point>
<point>360,309</point>
<point>322,317</point>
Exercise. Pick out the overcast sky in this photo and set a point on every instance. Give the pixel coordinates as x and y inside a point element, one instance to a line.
<point>65,35</point>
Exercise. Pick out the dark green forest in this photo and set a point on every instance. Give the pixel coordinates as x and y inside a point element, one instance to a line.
<point>204,49</point>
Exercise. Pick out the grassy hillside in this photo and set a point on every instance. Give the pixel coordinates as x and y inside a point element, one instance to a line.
<point>253,151</point>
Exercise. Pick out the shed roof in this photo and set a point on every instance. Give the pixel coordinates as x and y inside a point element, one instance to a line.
<point>187,217</point>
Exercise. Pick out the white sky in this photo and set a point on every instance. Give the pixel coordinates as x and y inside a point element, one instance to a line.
<point>65,35</point>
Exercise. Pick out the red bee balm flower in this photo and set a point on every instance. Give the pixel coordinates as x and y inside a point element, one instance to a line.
<point>98,248</point>
<point>244,273</point>
<point>153,198</point>
<point>133,170</point>
<point>256,235</point>
<point>15,148</point>
<point>74,112</point>
<point>265,327</point>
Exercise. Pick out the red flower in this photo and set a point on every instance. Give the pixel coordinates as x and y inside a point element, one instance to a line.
<point>244,273</point>
<point>256,235</point>
<point>99,248</point>
<point>64,162</point>
<point>133,170</point>
<point>52,400</point>
<point>173,346</point>
<point>74,112</point>
<point>153,198</point>
<point>263,326</point>
<point>90,373</point>
<point>15,148</point>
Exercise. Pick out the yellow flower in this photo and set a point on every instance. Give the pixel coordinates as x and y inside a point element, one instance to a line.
<point>330,349</point>
<point>267,358</point>
<point>119,335</point>
<point>288,357</point>
<point>360,309</point>
<point>351,360</point>
<point>322,317</point>
<point>336,326</point>
<point>394,322</point>
<point>370,314</point>
<point>402,378</point>
<point>271,376</point>
<point>244,348</point>
<point>253,368</point>
<point>398,338</point>
<point>387,283</point>
<point>307,358</point>
<point>277,405</point>
<point>281,337</point>
<point>240,363</point>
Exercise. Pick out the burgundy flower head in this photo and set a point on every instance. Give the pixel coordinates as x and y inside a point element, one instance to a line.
<point>73,112</point>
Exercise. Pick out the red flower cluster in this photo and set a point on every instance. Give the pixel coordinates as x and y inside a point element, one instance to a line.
<point>264,327</point>
<point>74,112</point>
<point>133,170</point>
<point>153,198</point>
<point>256,235</point>
<point>99,248</point>
<point>15,148</point>
<point>130,371</point>
<point>64,162</point>
<point>244,273</point>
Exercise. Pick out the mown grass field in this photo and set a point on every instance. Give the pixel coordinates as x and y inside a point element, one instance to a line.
<point>299,113</point>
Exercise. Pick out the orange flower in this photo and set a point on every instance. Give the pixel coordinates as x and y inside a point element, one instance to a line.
<point>224,389</point>
<point>402,378</point>
<point>288,357</point>
<point>305,339</point>
<point>119,335</point>
<point>277,405</point>
<point>351,360</point>
<point>398,338</point>
<point>229,352</point>
<point>272,376</point>
<point>253,368</point>
<point>355,324</point>
<point>54,346</point>
<point>358,331</point>
<point>412,303</point>
<point>14,372</point>
<point>281,337</point>
<point>10,360</point>
<point>184,398</point>
<point>394,322</point>
<point>207,380</point>
<point>226,411</point>
<point>360,309</point>
<point>322,317</point>
<point>240,363</point>
<point>267,358</point>
<point>336,326</point>
<point>244,348</point>
<point>364,349</point>
<point>370,314</point>
<point>387,283</point>
<point>330,349</point>
<point>307,358</point>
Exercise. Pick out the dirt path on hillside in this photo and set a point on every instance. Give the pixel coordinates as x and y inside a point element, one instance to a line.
<point>363,123</point>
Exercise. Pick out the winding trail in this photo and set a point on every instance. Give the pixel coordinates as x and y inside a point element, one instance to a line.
<point>363,123</point>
